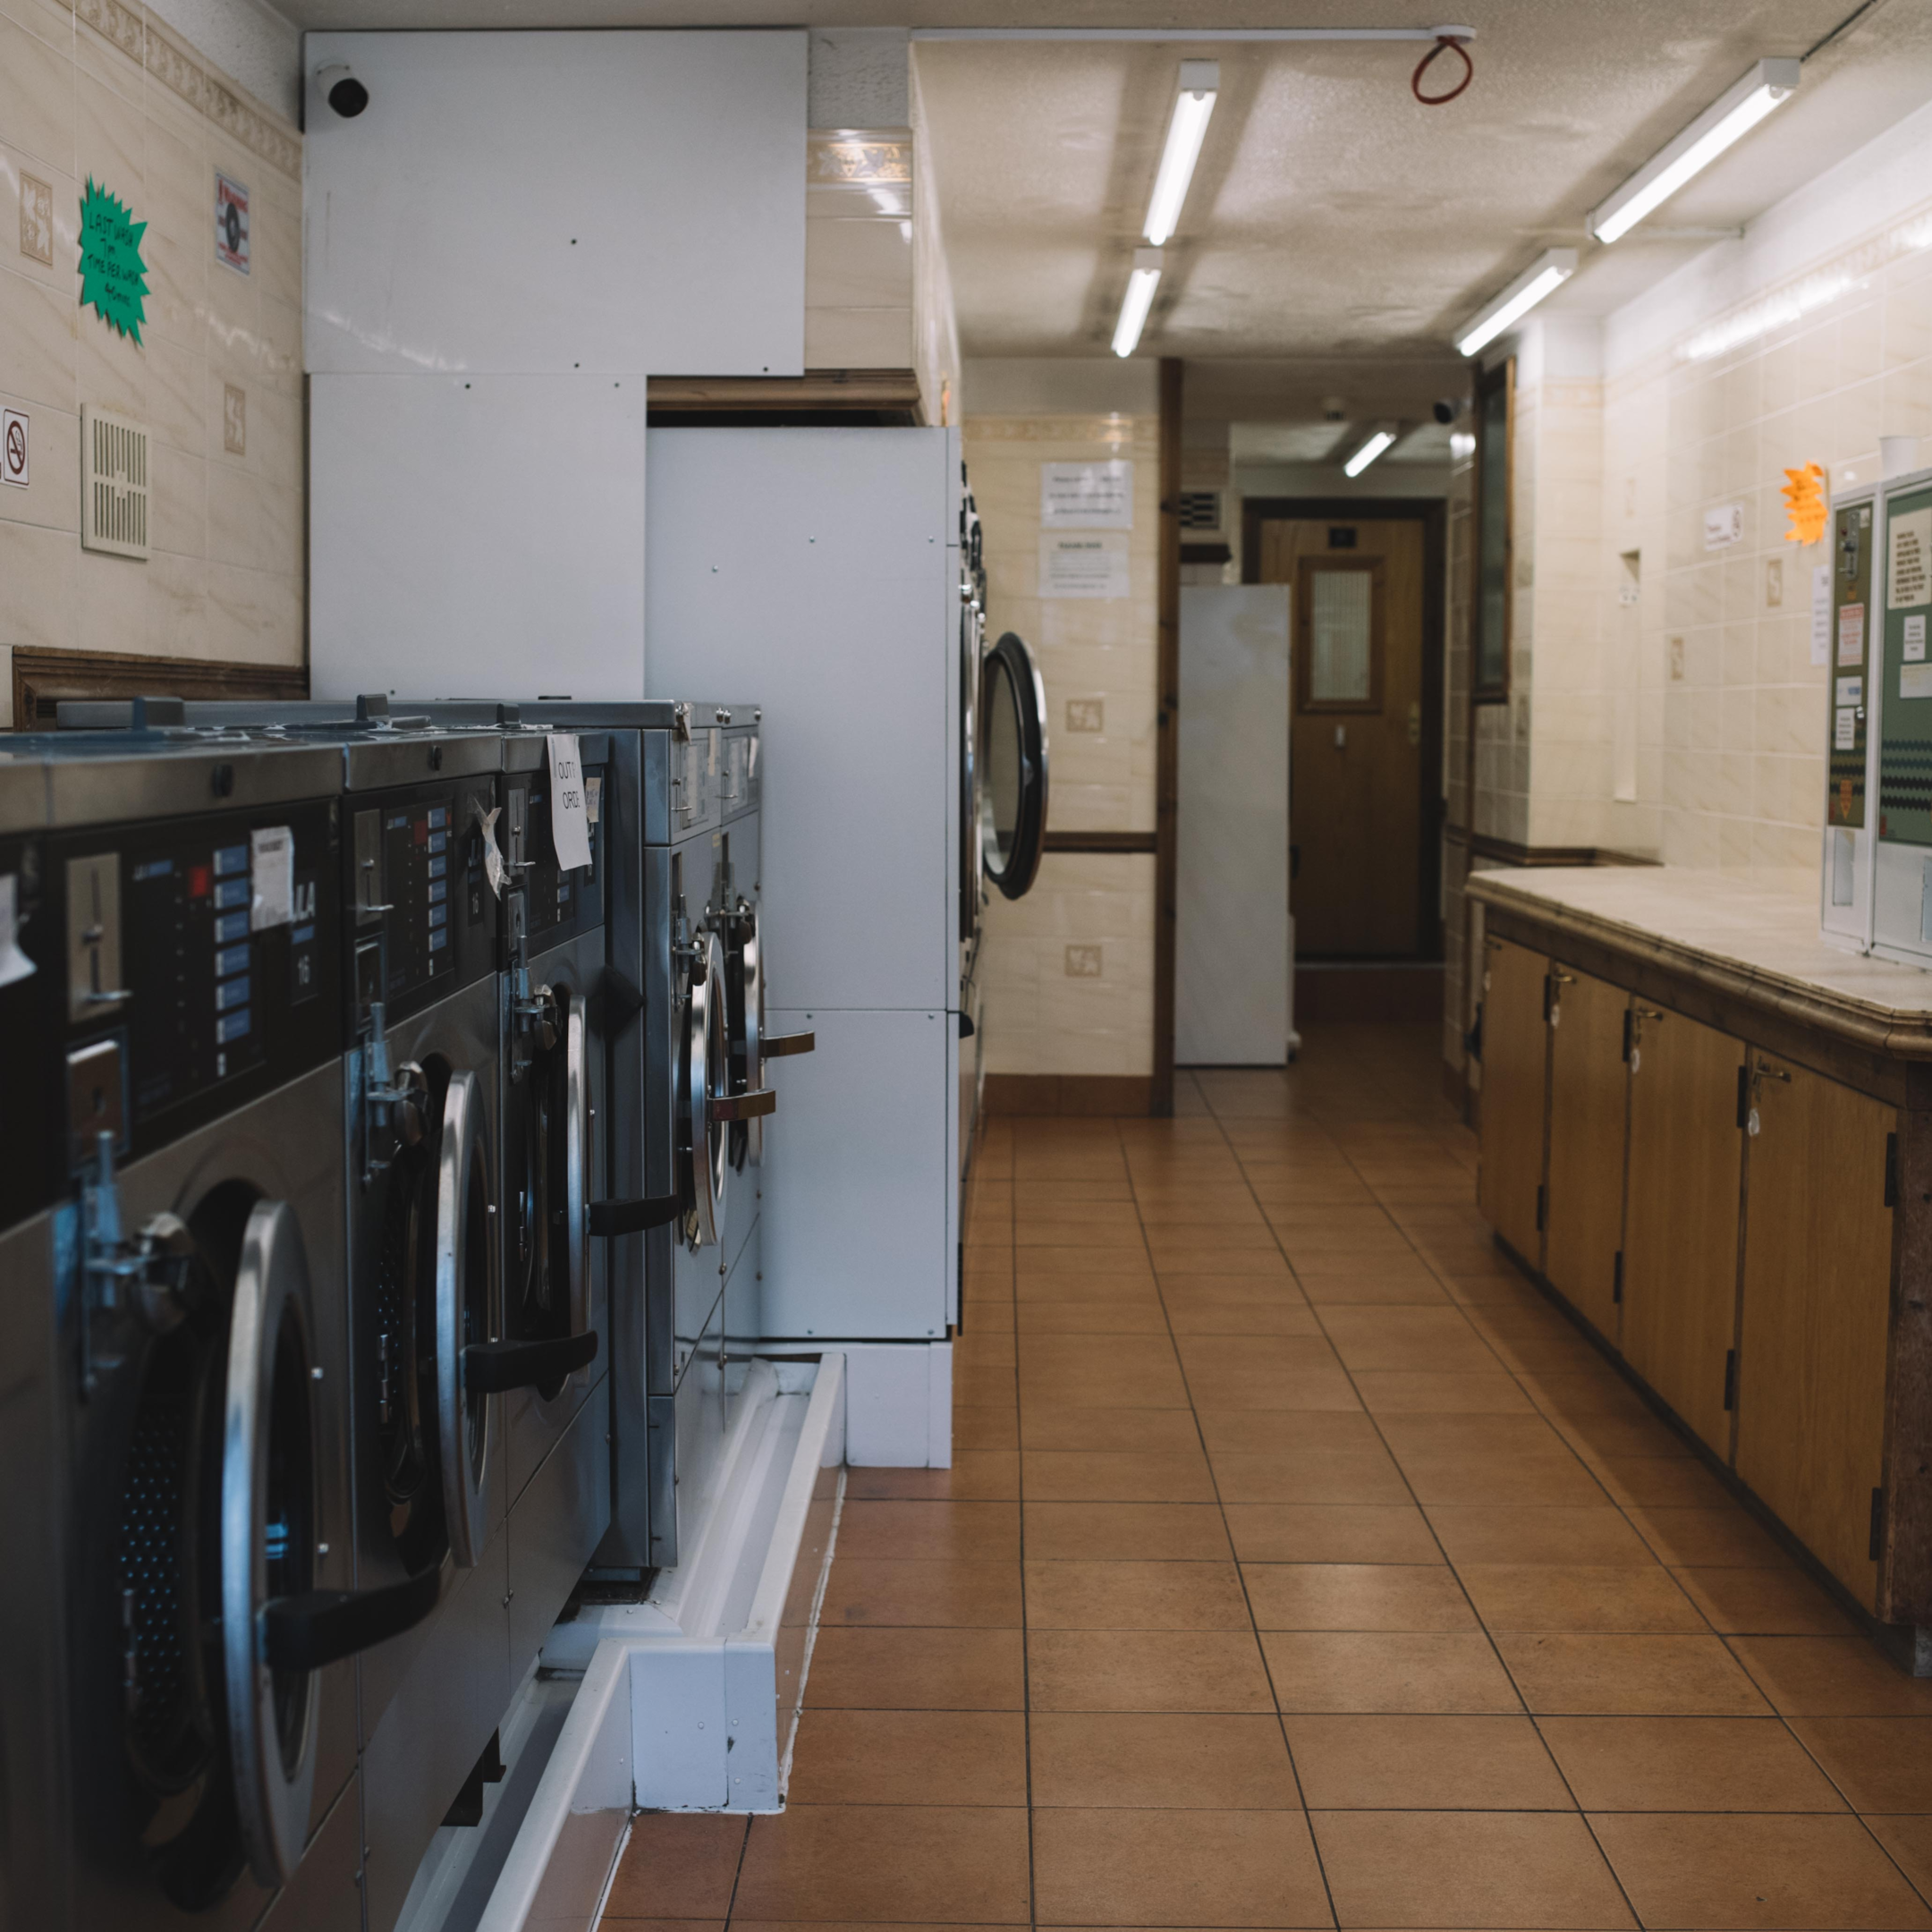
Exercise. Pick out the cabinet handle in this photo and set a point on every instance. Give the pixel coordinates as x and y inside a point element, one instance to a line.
<point>1560,977</point>
<point>1766,1071</point>
<point>1651,1012</point>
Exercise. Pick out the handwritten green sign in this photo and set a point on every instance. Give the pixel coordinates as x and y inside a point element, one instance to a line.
<point>113,278</point>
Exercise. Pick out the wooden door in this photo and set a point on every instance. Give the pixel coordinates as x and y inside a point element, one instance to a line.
<point>1355,812</point>
<point>1588,1111</point>
<point>1680,1215</point>
<point>1815,1314</point>
<point>1515,1043</point>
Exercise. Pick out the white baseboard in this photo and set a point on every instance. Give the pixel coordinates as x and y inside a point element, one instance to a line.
<point>899,1404</point>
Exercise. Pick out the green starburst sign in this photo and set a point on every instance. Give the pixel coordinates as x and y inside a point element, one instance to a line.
<point>113,278</point>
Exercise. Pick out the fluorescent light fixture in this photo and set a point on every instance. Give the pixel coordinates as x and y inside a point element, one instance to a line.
<point>1726,120</point>
<point>1133,311</point>
<point>1201,82</point>
<point>1550,270</point>
<point>1378,442</point>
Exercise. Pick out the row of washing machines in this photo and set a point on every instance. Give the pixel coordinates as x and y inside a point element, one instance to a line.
<point>384,1098</point>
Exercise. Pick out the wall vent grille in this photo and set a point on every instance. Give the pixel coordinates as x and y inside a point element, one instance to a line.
<point>1200,510</point>
<point>114,484</point>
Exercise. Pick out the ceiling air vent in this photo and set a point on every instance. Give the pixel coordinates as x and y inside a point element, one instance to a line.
<point>114,484</point>
<point>1200,510</point>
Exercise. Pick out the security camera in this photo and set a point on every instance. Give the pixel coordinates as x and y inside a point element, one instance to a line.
<point>1335,409</point>
<point>343,91</point>
<point>1447,410</point>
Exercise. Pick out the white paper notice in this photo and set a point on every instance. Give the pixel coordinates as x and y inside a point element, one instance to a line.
<point>1725,527</point>
<point>14,964</point>
<point>1852,634</point>
<point>1914,639</point>
<point>1910,579</point>
<point>1915,680</point>
<point>272,878</point>
<point>1091,495</point>
<point>1852,691</point>
<point>1082,566</point>
<point>1846,733</point>
<point>570,817</point>
<point>1821,614</point>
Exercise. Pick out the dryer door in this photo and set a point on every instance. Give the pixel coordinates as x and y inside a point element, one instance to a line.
<point>465,1261</point>
<point>972,650</point>
<point>1013,765</point>
<point>705,1104</point>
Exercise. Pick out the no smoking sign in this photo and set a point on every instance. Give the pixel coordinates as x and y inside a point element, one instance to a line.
<point>13,447</point>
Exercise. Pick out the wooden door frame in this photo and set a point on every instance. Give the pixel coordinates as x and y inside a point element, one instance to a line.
<point>1433,513</point>
<point>1167,742</point>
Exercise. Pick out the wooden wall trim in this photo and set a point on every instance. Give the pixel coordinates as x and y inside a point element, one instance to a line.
<point>1510,852</point>
<point>891,393</point>
<point>1167,744</point>
<point>42,678</point>
<point>1102,842</point>
<point>1059,1096</point>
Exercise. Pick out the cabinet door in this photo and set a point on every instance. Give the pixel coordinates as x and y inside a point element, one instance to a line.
<point>1681,1217</point>
<point>1818,1289</point>
<point>1515,1047</point>
<point>1589,1109</point>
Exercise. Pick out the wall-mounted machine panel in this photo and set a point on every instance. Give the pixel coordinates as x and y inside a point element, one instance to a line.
<point>608,203</point>
<point>1851,708</point>
<point>1901,599</point>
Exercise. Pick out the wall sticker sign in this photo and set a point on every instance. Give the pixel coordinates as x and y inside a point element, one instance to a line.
<point>37,219</point>
<point>231,224</point>
<point>13,447</point>
<point>1724,526</point>
<point>113,278</point>
<point>1087,496</point>
<point>1083,566</point>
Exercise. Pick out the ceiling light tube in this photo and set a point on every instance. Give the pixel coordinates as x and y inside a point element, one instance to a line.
<point>1726,120</point>
<point>1550,270</point>
<point>1141,284</point>
<point>1187,128</point>
<point>1378,441</point>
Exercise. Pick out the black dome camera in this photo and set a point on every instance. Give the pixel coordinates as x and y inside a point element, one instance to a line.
<point>1447,410</point>
<point>343,91</point>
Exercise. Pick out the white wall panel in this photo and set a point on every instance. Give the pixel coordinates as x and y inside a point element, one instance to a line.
<point>478,537</point>
<point>618,203</point>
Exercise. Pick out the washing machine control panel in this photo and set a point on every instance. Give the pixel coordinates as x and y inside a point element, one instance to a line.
<point>558,904</point>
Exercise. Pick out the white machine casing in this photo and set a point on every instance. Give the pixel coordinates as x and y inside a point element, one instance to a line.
<point>1901,759</point>
<point>1848,854</point>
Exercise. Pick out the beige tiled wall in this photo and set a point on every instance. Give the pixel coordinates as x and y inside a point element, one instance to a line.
<point>858,250</point>
<point>1069,970</point>
<point>106,91</point>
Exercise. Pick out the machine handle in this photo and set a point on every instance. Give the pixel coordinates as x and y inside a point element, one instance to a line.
<point>492,1367</point>
<point>322,1627</point>
<point>966,1026</point>
<point>786,1045</point>
<point>614,1217</point>
<point>744,1106</point>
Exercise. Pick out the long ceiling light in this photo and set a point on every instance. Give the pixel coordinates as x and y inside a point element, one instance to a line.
<point>1726,120</point>
<point>1550,270</point>
<point>1133,311</point>
<point>1187,128</point>
<point>1378,442</point>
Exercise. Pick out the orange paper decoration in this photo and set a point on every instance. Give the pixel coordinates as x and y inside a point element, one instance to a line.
<point>1805,504</point>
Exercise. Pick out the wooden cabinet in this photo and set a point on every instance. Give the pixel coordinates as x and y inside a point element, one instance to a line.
<point>1681,1217</point>
<point>1515,1067</point>
<point>1588,1106</point>
<point>1815,1312</point>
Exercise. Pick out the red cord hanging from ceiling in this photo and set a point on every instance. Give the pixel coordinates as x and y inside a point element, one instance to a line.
<point>1447,44</point>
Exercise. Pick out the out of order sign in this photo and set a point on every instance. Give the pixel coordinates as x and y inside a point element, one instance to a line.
<point>570,812</point>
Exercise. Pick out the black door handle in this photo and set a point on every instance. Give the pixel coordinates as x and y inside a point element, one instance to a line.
<point>490,1368</point>
<point>786,1045</point>
<point>324,1626</point>
<point>966,1026</point>
<point>633,1216</point>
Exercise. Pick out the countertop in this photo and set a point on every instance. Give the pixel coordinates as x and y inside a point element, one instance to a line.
<point>1753,935</point>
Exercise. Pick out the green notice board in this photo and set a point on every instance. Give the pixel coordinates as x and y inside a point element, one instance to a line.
<point>1905,748</point>
<point>1847,699</point>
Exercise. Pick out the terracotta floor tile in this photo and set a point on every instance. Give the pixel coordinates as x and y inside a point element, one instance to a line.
<point>1377,1288</point>
<point>1477,1868</point>
<point>1499,1477</point>
<point>1330,1532</point>
<point>985,1427</point>
<point>987,1387</point>
<point>1765,1603</point>
<point>1150,1868</point>
<point>1655,1481</point>
<point>1075,1476</point>
<point>1153,1532</point>
<point>910,1757</point>
<point>1385,1672</point>
<point>1512,1533</point>
<point>860,1862</point>
<point>1881,1763</point>
<point>1527,1436</point>
<point>916,1670</point>
<point>979,1595</point>
<point>964,1532</point>
<point>1605,1438</point>
<point>1174,1761</point>
<point>1282,1317</point>
<point>678,1865</point>
<point>1700,1869</point>
<point>1708,1539</point>
<point>1129,1670</point>
<point>1424,1391</point>
<point>1831,1677</point>
<point>1266,1431</point>
<point>1222,1265</point>
<point>1116,1188</point>
<point>1425,1764</point>
<point>1366,1475</point>
<point>1687,1764</point>
<point>1356,1597</point>
<point>985,1348</point>
<point>1135,1595</point>
<point>1909,1840</point>
<point>1077,1258</point>
<point>1052,1425</point>
<point>1633,1676</point>
<point>1579,1597</point>
<point>1221,1375</point>
<point>977,1476</point>
<point>1109,1225</point>
<point>987,1314</point>
<point>1072,1289</point>
<point>1143,1315</point>
<point>1149,1381</point>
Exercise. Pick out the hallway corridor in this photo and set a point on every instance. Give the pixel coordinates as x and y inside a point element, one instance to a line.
<point>1301,1566</point>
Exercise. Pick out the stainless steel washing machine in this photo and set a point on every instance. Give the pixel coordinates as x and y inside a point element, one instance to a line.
<point>203,1580</point>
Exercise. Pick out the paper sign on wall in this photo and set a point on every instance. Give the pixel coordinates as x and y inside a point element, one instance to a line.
<point>271,877</point>
<point>1089,495</point>
<point>14,425</point>
<point>1915,680</point>
<point>1821,593</point>
<point>231,223</point>
<point>570,814</point>
<point>1851,691</point>
<point>1914,652</point>
<point>1082,566</point>
<point>1725,527</point>
<point>1852,634</point>
<point>1845,737</point>
<point>1910,581</point>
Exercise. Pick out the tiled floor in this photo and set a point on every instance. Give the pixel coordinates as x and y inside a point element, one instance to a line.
<point>1300,1566</point>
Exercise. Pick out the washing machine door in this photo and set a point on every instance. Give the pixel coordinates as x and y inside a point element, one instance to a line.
<point>1013,765</point>
<point>705,1111</point>
<point>464,1259</point>
<point>972,649</point>
<point>751,1044</point>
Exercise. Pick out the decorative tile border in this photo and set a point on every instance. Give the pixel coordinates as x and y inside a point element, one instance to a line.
<point>862,157</point>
